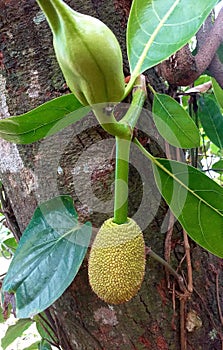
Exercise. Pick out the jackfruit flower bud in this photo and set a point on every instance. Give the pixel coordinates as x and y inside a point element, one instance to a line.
<point>88,53</point>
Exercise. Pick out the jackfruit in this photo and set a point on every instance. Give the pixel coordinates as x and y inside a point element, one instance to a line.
<point>116,263</point>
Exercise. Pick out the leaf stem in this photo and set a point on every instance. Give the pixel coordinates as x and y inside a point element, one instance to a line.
<point>144,151</point>
<point>123,131</point>
<point>139,95</point>
<point>152,89</point>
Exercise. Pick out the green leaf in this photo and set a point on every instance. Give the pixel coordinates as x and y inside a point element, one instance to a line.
<point>2,320</point>
<point>157,29</point>
<point>174,123</point>
<point>218,167</point>
<point>43,121</point>
<point>10,243</point>
<point>44,345</point>
<point>15,331</point>
<point>211,119</point>
<point>218,92</point>
<point>195,200</point>
<point>202,79</point>
<point>43,328</point>
<point>48,256</point>
<point>34,346</point>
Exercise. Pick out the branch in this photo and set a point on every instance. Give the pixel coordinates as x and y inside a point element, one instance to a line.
<point>211,43</point>
<point>182,69</point>
<point>216,70</point>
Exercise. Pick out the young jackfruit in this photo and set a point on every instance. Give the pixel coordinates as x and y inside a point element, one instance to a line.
<point>117,261</point>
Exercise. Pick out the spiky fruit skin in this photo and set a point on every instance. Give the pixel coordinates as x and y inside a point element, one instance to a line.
<point>116,264</point>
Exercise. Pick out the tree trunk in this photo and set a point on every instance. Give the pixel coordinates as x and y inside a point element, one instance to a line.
<point>77,161</point>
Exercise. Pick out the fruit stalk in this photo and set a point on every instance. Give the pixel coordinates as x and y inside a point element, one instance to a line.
<point>123,150</point>
<point>121,180</point>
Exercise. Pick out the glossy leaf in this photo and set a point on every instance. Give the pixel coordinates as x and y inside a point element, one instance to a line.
<point>218,92</point>
<point>218,167</point>
<point>195,200</point>
<point>174,123</point>
<point>211,119</point>
<point>157,29</point>
<point>15,331</point>
<point>48,257</point>
<point>43,121</point>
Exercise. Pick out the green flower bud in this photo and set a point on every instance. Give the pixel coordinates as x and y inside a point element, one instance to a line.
<point>88,53</point>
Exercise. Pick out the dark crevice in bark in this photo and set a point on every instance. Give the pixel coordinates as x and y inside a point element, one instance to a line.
<point>10,219</point>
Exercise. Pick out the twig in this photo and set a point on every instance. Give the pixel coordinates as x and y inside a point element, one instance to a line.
<point>189,265</point>
<point>167,244</point>
<point>168,266</point>
<point>187,250</point>
<point>171,217</point>
<point>174,307</point>
<point>183,343</point>
<point>218,297</point>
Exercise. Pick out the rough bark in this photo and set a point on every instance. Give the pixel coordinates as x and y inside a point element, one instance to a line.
<point>30,174</point>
